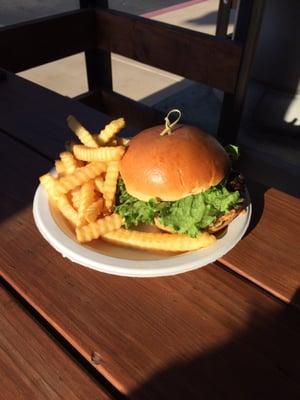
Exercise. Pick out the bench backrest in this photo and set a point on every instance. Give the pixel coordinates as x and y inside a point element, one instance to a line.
<point>219,62</point>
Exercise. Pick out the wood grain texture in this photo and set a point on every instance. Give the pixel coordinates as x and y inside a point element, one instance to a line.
<point>269,254</point>
<point>161,337</point>
<point>194,55</point>
<point>206,333</point>
<point>32,365</point>
<point>138,115</point>
<point>98,62</point>
<point>29,44</point>
<point>18,189</point>
<point>223,17</point>
<point>37,116</point>
<point>246,32</point>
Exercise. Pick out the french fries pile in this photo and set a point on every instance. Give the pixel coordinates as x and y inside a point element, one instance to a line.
<point>84,191</point>
<point>85,184</point>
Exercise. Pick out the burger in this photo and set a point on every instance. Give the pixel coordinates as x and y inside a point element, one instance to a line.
<point>181,181</point>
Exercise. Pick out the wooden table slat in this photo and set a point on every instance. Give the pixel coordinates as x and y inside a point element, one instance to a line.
<point>269,254</point>
<point>32,365</point>
<point>37,116</point>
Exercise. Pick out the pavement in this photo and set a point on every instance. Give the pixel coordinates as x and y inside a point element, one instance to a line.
<point>128,74</point>
<point>275,154</point>
<point>13,11</point>
<point>159,88</point>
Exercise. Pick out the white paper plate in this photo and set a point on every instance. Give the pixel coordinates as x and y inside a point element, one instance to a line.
<point>116,260</point>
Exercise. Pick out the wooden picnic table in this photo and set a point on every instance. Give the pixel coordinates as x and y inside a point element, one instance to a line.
<point>228,330</point>
<point>33,365</point>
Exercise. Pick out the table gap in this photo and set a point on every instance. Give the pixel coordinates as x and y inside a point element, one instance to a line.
<point>25,144</point>
<point>63,343</point>
<point>257,286</point>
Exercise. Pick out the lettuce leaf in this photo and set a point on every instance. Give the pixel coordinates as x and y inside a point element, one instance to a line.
<point>189,215</point>
<point>233,152</point>
<point>132,209</point>
<point>196,212</point>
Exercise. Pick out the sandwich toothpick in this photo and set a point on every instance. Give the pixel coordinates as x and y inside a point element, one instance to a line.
<point>168,124</point>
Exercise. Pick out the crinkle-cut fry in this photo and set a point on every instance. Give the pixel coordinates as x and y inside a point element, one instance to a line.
<point>105,154</point>
<point>50,184</point>
<point>82,133</point>
<point>96,229</point>
<point>75,196</point>
<point>95,136</point>
<point>171,242</point>
<point>111,130</point>
<point>99,183</point>
<point>123,141</point>
<point>119,142</point>
<point>80,163</point>
<point>86,198</point>
<point>80,176</point>
<point>65,207</point>
<point>59,167</point>
<point>69,144</point>
<point>92,212</point>
<point>110,183</point>
<point>69,162</point>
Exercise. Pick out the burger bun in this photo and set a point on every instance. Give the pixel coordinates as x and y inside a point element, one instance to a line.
<point>172,166</point>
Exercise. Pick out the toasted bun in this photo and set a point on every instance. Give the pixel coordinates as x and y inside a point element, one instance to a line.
<point>187,161</point>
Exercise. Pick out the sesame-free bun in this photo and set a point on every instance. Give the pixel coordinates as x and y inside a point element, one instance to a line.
<point>171,167</point>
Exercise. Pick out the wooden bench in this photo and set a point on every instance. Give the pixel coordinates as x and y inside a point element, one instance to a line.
<point>215,61</point>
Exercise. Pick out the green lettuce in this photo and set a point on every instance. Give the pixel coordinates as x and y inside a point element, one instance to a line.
<point>233,151</point>
<point>134,211</point>
<point>189,215</point>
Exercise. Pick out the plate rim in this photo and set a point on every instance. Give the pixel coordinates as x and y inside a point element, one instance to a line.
<point>89,258</point>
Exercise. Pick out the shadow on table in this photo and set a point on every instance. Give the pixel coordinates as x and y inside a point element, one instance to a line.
<point>20,171</point>
<point>257,198</point>
<point>261,362</point>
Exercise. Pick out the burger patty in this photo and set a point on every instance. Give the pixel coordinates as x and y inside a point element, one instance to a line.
<point>225,204</point>
<point>224,220</point>
<point>236,181</point>
<point>218,225</point>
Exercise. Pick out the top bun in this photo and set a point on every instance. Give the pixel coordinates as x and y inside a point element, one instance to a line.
<point>173,166</point>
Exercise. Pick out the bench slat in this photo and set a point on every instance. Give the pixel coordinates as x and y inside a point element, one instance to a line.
<point>138,115</point>
<point>29,44</point>
<point>194,55</point>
